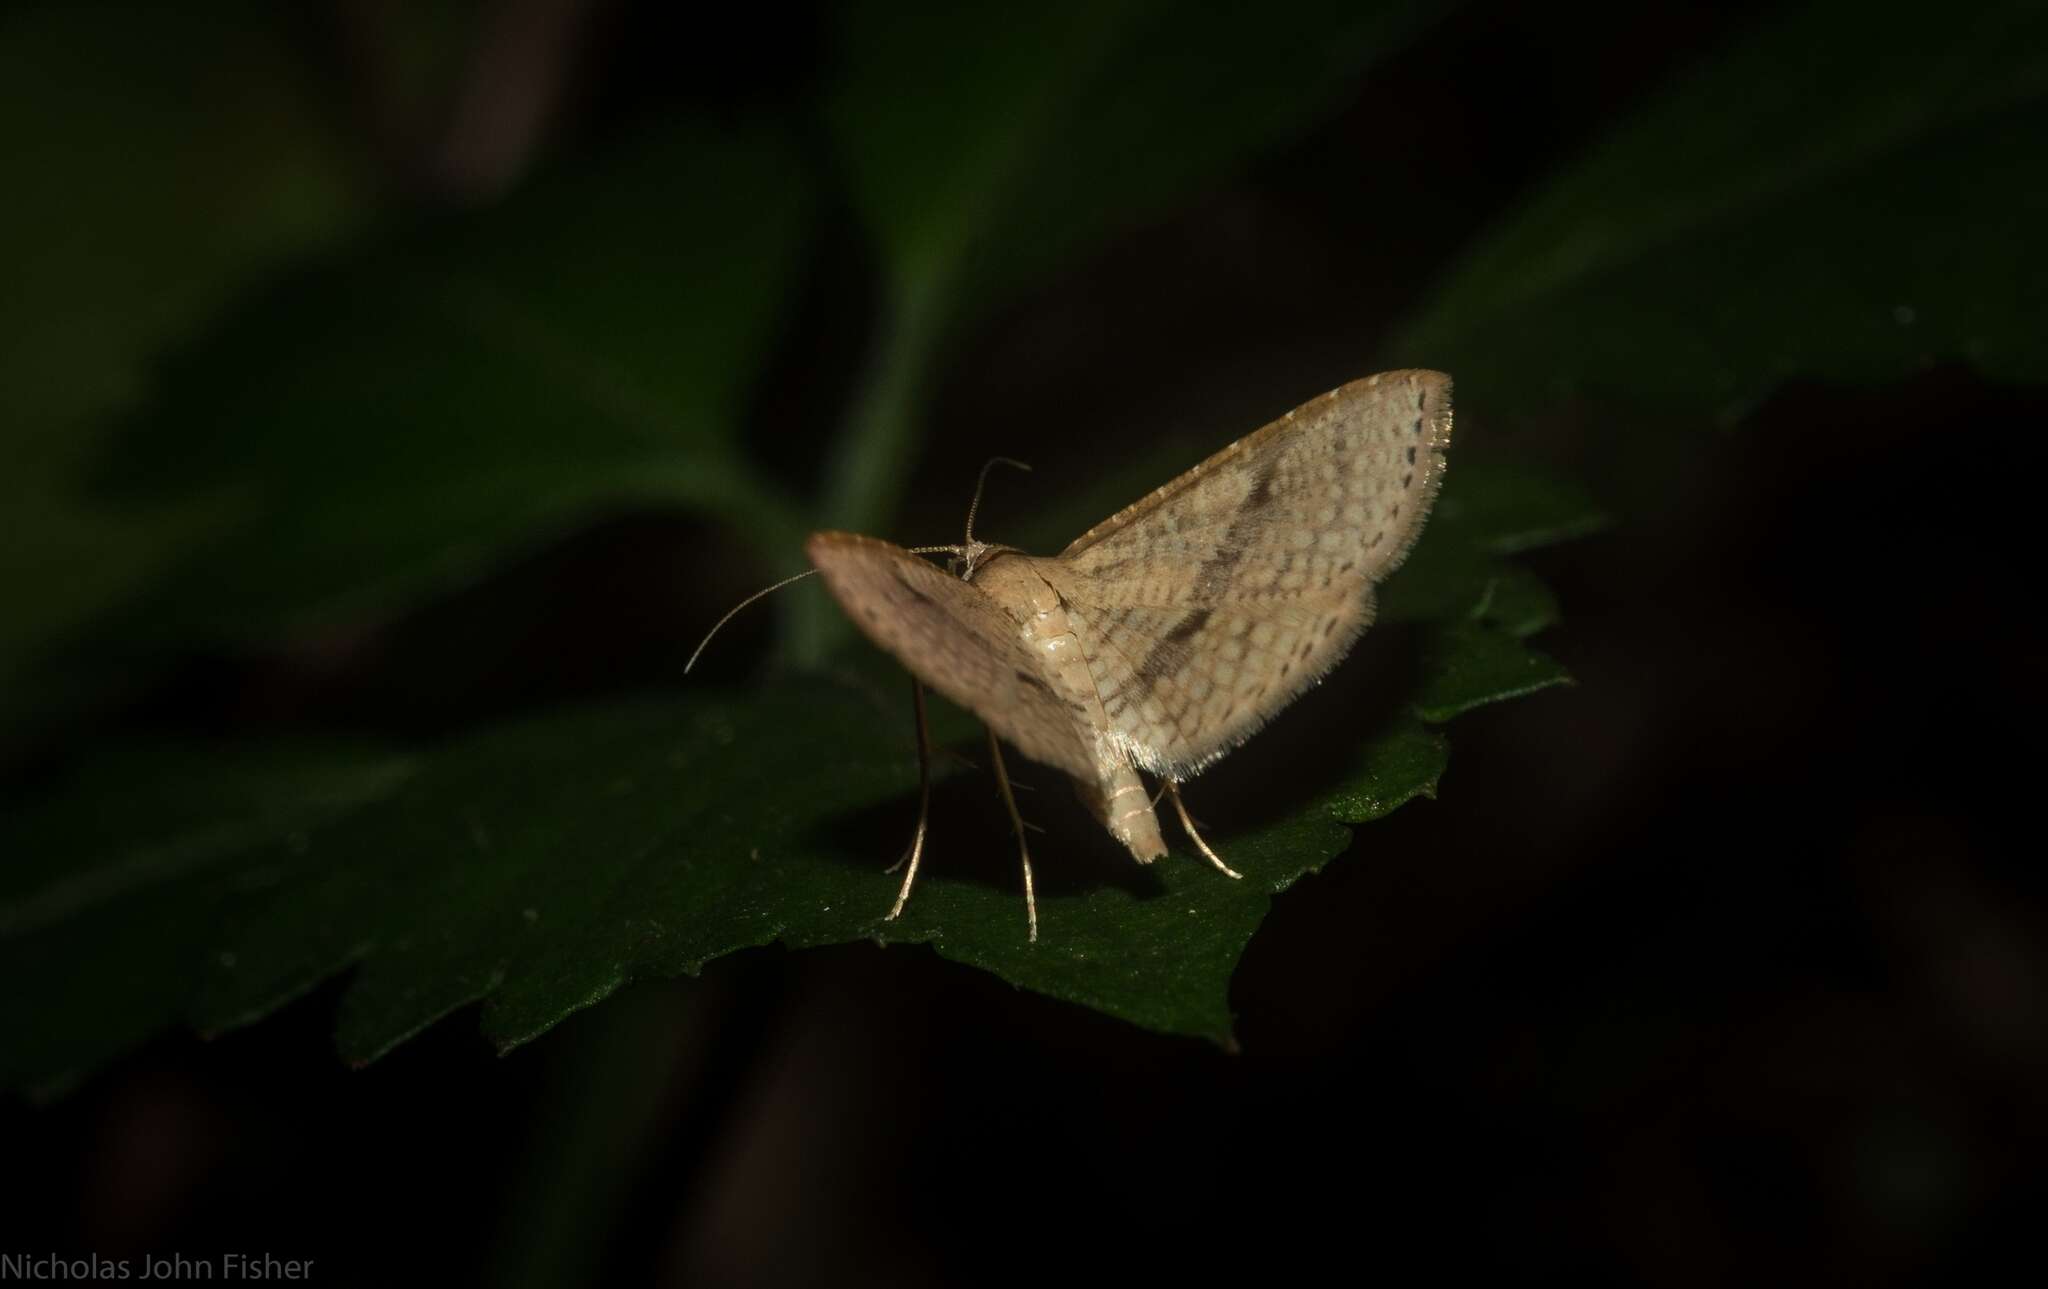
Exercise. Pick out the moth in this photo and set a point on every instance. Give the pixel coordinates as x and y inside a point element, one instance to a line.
<point>1169,633</point>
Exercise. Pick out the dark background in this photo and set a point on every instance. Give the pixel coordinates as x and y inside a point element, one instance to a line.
<point>1719,965</point>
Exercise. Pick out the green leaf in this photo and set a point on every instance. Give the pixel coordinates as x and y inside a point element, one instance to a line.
<point>1491,506</point>
<point>400,420</point>
<point>117,882</point>
<point>1516,601</point>
<point>1471,664</point>
<point>1838,195</point>
<point>136,209</point>
<point>539,867</point>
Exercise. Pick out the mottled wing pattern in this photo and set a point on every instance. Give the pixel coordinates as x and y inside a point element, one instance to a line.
<point>954,638</point>
<point>1211,604</point>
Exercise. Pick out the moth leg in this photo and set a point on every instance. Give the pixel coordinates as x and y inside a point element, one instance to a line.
<point>1173,790</point>
<point>1017,821</point>
<point>924,801</point>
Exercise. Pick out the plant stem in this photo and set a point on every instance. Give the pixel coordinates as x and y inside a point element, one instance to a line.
<point>870,462</point>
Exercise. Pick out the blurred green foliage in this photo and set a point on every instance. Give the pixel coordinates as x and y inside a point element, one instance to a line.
<point>394,422</point>
<point>199,462</point>
<point>140,209</point>
<point>1844,194</point>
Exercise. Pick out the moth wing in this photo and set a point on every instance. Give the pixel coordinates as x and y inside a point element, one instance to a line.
<point>951,636</point>
<point>1208,606</point>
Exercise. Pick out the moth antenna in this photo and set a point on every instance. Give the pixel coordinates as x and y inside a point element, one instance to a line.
<point>766,590</point>
<point>770,590</point>
<point>982,481</point>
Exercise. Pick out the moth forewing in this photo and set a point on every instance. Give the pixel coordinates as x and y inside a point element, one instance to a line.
<point>1216,600</point>
<point>952,636</point>
<point>1374,421</point>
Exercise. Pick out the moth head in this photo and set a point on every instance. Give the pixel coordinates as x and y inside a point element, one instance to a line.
<point>965,559</point>
<point>962,560</point>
